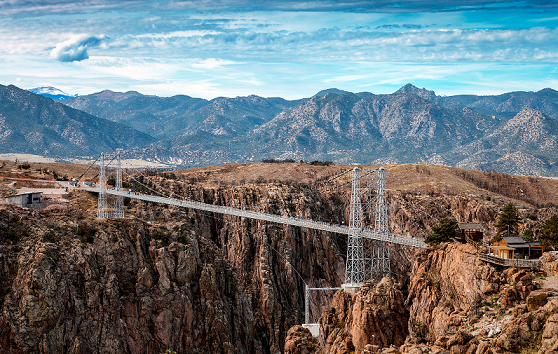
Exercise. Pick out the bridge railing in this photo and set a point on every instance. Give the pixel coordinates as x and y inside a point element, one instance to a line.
<point>521,263</point>
<point>306,223</point>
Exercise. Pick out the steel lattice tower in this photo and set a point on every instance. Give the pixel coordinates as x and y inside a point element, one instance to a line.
<point>118,211</point>
<point>355,270</point>
<point>103,210</point>
<point>380,253</point>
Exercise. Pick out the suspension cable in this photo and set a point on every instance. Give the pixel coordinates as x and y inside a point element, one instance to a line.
<point>413,206</point>
<point>88,168</point>
<point>433,201</point>
<point>264,241</point>
<point>332,179</point>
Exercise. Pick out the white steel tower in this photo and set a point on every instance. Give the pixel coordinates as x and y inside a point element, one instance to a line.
<point>118,211</point>
<point>380,253</point>
<point>355,271</point>
<point>103,210</point>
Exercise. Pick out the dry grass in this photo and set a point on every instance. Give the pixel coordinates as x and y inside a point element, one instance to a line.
<point>407,178</point>
<point>525,191</point>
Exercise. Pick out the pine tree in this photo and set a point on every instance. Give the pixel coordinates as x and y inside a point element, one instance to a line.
<point>442,232</point>
<point>548,236</point>
<point>528,235</point>
<point>508,220</point>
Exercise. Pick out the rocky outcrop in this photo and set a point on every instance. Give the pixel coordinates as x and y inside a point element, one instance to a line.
<point>445,284</point>
<point>376,315</point>
<point>549,263</point>
<point>172,279</point>
<point>300,341</point>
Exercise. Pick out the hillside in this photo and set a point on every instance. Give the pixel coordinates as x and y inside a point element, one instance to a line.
<point>34,124</point>
<point>508,104</point>
<point>526,144</point>
<point>144,113</point>
<point>340,128</point>
<point>169,117</point>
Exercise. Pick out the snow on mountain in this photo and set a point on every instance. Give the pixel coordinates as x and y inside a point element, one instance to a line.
<point>51,92</point>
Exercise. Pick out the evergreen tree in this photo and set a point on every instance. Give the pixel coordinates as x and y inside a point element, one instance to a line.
<point>442,232</point>
<point>548,236</point>
<point>508,220</point>
<point>528,235</point>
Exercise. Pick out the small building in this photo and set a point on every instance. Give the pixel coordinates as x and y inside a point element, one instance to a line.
<point>515,247</point>
<point>25,200</point>
<point>469,230</point>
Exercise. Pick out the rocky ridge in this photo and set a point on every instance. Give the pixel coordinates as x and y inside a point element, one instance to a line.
<point>184,281</point>
<point>456,307</point>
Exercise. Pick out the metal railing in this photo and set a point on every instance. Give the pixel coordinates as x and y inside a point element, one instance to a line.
<point>286,220</point>
<point>520,263</point>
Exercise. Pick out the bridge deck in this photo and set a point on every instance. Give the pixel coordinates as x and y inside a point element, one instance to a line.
<point>286,220</point>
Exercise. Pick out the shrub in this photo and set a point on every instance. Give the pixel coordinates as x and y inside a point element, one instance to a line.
<point>86,233</point>
<point>162,235</point>
<point>442,232</point>
<point>528,235</point>
<point>49,238</point>
<point>12,235</point>
<point>183,239</point>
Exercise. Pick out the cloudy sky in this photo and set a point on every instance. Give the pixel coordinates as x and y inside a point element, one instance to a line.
<point>289,48</point>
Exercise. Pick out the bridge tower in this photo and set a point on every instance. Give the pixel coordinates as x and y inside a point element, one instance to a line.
<point>103,208</point>
<point>380,251</point>
<point>355,269</point>
<point>118,211</point>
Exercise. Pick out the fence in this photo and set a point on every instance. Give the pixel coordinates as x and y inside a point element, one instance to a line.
<point>519,263</point>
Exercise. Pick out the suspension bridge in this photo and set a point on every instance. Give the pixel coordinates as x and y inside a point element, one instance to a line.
<point>367,248</point>
<point>356,253</point>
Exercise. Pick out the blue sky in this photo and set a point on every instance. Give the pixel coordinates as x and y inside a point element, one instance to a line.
<point>291,49</point>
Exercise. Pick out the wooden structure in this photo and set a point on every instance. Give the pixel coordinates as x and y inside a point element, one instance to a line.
<point>515,247</point>
<point>518,263</point>
<point>469,231</point>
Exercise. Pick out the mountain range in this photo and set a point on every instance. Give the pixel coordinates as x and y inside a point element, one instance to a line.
<point>515,132</point>
<point>34,124</point>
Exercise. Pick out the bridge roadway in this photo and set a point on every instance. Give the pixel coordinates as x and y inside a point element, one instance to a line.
<point>287,220</point>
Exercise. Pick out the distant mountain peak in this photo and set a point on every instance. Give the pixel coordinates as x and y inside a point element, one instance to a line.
<point>331,90</point>
<point>421,92</point>
<point>529,115</point>
<point>51,92</point>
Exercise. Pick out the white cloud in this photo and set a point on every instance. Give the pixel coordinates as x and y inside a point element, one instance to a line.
<point>177,34</point>
<point>212,63</point>
<point>75,48</point>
